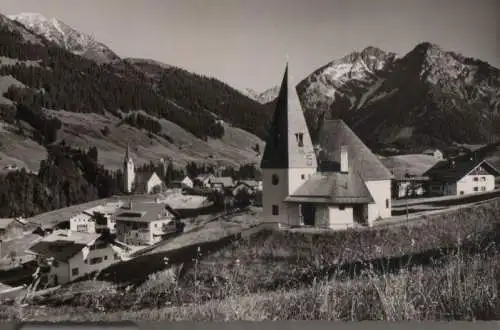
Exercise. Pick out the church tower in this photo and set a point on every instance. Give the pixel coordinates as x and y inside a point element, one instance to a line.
<point>289,158</point>
<point>128,172</point>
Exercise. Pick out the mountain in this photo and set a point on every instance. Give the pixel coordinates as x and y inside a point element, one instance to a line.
<point>428,98</point>
<point>50,94</point>
<point>265,97</point>
<point>67,37</point>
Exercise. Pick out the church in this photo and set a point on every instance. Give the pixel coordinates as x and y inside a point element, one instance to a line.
<point>139,183</point>
<point>337,183</point>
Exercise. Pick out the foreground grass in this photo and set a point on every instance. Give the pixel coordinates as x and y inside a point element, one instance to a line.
<point>461,287</point>
<point>293,275</point>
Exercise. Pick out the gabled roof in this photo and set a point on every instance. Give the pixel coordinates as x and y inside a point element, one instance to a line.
<point>453,171</point>
<point>334,134</point>
<point>282,149</point>
<point>204,176</point>
<point>250,183</point>
<point>145,212</point>
<point>332,188</point>
<point>59,250</point>
<point>226,181</point>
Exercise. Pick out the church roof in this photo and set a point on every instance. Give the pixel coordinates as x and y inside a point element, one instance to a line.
<point>282,149</point>
<point>332,188</point>
<point>333,134</point>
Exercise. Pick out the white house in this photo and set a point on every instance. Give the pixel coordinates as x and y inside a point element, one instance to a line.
<point>144,223</point>
<point>148,182</point>
<point>203,180</point>
<point>221,183</point>
<point>461,177</point>
<point>96,219</point>
<point>187,182</point>
<point>343,185</point>
<point>71,255</point>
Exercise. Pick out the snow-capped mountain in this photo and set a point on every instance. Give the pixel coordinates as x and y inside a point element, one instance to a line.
<point>427,98</point>
<point>67,37</point>
<point>264,97</point>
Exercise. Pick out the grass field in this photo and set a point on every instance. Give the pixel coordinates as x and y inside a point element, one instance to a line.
<point>445,268</point>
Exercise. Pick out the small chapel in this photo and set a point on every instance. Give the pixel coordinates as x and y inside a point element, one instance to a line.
<point>337,183</point>
<point>139,183</point>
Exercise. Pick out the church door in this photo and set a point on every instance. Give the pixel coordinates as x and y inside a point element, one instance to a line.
<point>308,214</point>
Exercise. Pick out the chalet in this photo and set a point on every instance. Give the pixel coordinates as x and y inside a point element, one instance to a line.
<point>95,220</point>
<point>203,180</point>
<point>148,183</point>
<point>462,177</point>
<point>250,186</point>
<point>344,185</point>
<point>185,183</point>
<point>144,223</point>
<point>436,153</point>
<point>11,228</point>
<point>221,183</point>
<point>66,256</point>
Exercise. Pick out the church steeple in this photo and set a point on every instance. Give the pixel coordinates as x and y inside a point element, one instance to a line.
<point>128,171</point>
<point>127,154</point>
<point>288,144</point>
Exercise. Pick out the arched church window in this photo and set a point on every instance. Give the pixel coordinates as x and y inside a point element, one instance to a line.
<point>275,179</point>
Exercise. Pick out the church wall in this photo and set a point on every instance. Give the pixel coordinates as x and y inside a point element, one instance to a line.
<point>340,219</point>
<point>381,193</point>
<point>274,194</point>
<point>153,182</point>
<point>297,176</point>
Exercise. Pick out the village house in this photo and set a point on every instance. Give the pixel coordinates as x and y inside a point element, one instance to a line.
<point>70,255</point>
<point>144,223</point>
<point>185,183</point>
<point>250,186</point>
<point>11,228</point>
<point>221,183</point>
<point>461,177</point>
<point>203,180</point>
<point>436,153</point>
<point>344,186</point>
<point>95,220</point>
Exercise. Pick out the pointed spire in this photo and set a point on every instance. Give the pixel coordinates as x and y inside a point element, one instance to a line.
<point>288,144</point>
<point>127,154</point>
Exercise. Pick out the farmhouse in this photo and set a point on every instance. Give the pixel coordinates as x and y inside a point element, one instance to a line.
<point>67,255</point>
<point>461,177</point>
<point>10,228</point>
<point>344,186</point>
<point>203,180</point>
<point>95,220</point>
<point>221,183</point>
<point>407,184</point>
<point>145,223</point>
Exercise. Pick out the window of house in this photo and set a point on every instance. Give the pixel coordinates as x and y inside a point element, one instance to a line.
<point>461,192</point>
<point>86,261</point>
<point>483,178</point>
<point>341,207</point>
<point>476,178</point>
<point>483,188</point>
<point>96,260</point>
<point>300,139</point>
<point>275,179</point>
<point>275,210</point>
<point>105,257</point>
<point>303,176</point>
<point>476,188</point>
<point>387,203</point>
<point>117,257</point>
<point>74,272</point>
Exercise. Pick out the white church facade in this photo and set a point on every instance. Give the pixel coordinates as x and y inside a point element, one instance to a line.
<point>339,183</point>
<point>140,183</point>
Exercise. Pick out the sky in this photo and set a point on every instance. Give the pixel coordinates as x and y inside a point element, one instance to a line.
<point>246,43</point>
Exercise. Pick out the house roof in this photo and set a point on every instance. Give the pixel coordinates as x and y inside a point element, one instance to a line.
<point>59,250</point>
<point>5,222</point>
<point>142,178</point>
<point>282,149</point>
<point>62,245</point>
<point>203,177</point>
<point>334,134</point>
<point>452,170</point>
<point>226,181</point>
<point>332,188</point>
<point>250,183</point>
<point>145,212</point>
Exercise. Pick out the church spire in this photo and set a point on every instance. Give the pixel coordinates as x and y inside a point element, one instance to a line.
<point>127,154</point>
<point>288,144</point>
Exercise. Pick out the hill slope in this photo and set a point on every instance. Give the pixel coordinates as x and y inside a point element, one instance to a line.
<point>94,95</point>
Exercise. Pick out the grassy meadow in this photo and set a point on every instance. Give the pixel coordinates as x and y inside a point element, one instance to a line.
<point>444,268</point>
